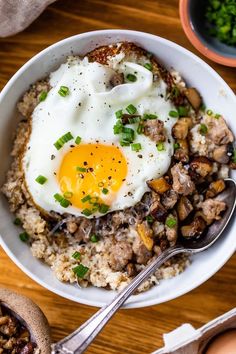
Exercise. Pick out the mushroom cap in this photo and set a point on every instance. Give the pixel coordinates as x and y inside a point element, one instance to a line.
<point>32,315</point>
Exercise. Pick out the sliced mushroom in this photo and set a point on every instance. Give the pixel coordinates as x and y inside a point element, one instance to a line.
<point>215,188</point>
<point>202,165</point>
<point>182,151</point>
<point>184,208</point>
<point>146,234</point>
<point>159,185</point>
<point>181,128</point>
<point>193,97</point>
<point>220,154</point>
<point>194,229</point>
<point>117,79</point>
<point>158,212</point>
<point>169,199</point>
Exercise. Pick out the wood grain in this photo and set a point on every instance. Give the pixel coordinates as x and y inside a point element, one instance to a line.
<point>131,331</point>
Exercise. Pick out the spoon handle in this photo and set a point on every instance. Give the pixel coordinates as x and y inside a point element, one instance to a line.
<point>79,340</point>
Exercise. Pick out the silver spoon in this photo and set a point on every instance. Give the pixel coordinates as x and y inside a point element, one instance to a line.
<point>79,340</point>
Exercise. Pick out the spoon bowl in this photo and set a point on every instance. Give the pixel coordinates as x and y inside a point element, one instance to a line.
<point>79,340</point>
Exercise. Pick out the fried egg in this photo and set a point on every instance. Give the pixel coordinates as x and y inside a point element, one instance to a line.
<point>73,161</point>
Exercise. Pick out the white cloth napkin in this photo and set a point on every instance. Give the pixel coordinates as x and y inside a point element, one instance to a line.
<point>16,15</point>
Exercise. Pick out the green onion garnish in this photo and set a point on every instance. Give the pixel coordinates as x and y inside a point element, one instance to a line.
<point>41,179</point>
<point>171,222</point>
<point>87,212</point>
<point>17,221</point>
<point>183,111</point>
<point>78,140</point>
<point>118,127</point>
<point>86,198</point>
<point>64,91</point>
<point>68,195</point>
<point>148,66</point>
<point>136,147</point>
<point>131,77</point>
<point>103,208</point>
<point>63,202</point>
<point>119,114</point>
<point>234,156</point>
<point>133,120</point>
<point>128,133</point>
<point>140,129</point>
<point>24,236</point>
<point>209,112</point>
<point>43,96</point>
<point>80,270</point>
<point>131,109</point>
<point>81,169</point>
<point>124,143</point>
<point>62,140</point>
<point>160,146</point>
<point>176,146</point>
<point>203,129</point>
<point>217,116</point>
<point>94,238</point>
<point>149,116</point>
<point>174,114</point>
<point>149,219</point>
<point>76,255</point>
<point>105,191</point>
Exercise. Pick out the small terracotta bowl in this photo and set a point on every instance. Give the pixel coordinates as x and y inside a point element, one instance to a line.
<point>192,14</point>
<point>30,316</point>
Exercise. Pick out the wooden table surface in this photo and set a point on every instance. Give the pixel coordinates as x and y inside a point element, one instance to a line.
<point>131,331</point>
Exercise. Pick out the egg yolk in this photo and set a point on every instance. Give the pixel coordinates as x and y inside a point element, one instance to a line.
<point>92,173</point>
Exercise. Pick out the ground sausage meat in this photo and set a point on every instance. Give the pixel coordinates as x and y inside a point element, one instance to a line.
<point>212,208</point>
<point>182,183</point>
<point>154,129</point>
<point>121,254</point>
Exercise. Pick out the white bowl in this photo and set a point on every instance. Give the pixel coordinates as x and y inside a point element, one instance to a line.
<point>217,96</point>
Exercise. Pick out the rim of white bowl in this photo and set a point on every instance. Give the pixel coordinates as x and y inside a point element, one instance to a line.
<point>133,304</point>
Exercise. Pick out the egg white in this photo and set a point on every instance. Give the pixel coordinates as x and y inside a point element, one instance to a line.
<point>89,112</point>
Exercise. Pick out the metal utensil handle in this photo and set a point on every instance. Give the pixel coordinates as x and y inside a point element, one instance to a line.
<point>79,340</point>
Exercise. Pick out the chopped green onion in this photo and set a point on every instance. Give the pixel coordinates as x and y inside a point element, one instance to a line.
<point>17,221</point>
<point>160,146</point>
<point>209,112</point>
<point>78,140</point>
<point>24,236</point>
<point>94,238</point>
<point>131,109</point>
<point>105,191</point>
<point>140,129</point>
<point>43,96</point>
<point>149,116</point>
<point>234,156</point>
<point>203,129</point>
<point>133,120</point>
<point>149,219</point>
<point>68,195</point>
<point>86,199</point>
<point>183,111</point>
<point>103,208</point>
<point>62,140</point>
<point>217,116</point>
<point>174,114</point>
<point>41,179</point>
<point>119,114</point>
<point>63,202</point>
<point>176,146</point>
<point>87,212</point>
<point>76,255</point>
<point>171,222</point>
<point>80,270</point>
<point>81,169</point>
<point>136,147</point>
<point>64,91</point>
<point>128,134</point>
<point>148,66</point>
<point>131,77</point>
<point>203,107</point>
<point>93,200</point>
<point>118,127</point>
<point>124,143</point>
